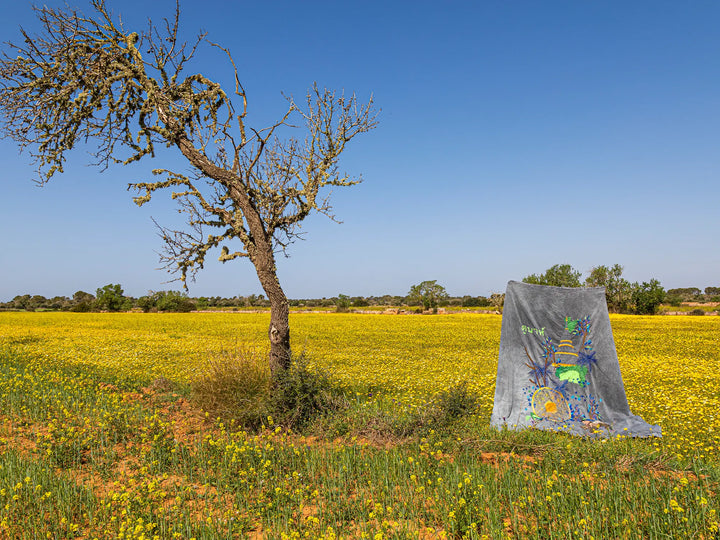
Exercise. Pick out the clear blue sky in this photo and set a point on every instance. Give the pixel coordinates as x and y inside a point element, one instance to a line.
<point>513,136</point>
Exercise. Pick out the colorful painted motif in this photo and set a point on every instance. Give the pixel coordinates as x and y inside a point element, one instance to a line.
<point>559,379</point>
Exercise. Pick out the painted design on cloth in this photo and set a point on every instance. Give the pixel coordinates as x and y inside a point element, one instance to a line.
<point>560,387</point>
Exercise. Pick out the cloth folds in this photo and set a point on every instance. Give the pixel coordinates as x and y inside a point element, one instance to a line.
<point>558,368</point>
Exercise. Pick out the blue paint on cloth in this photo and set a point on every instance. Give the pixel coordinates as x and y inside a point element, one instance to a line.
<point>567,376</point>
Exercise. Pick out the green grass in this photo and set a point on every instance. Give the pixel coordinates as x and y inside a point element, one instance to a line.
<point>121,459</point>
<point>466,480</point>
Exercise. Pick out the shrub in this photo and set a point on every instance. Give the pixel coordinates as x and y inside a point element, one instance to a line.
<point>174,301</point>
<point>146,303</point>
<point>81,302</point>
<point>342,303</point>
<point>470,301</point>
<point>82,307</point>
<point>559,275</point>
<point>166,301</point>
<point>235,386</point>
<point>300,393</point>
<point>648,297</point>
<point>697,311</point>
<point>452,403</point>
<point>111,298</point>
<point>497,300</point>
<point>428,294</point>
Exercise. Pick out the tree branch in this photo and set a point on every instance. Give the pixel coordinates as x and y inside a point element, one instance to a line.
<point>87,79</point>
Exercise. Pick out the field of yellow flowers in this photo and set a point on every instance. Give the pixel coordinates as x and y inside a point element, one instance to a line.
<point>99,440</point>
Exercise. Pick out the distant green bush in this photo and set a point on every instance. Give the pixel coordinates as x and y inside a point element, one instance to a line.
<point>647,297</point>
<point>559,275</point>
<point>472,301</point>
<point>111,298</point>
<point>173,301</point>
<point>342,304</point>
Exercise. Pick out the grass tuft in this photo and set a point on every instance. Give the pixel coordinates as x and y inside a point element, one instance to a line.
<point>235,385</point>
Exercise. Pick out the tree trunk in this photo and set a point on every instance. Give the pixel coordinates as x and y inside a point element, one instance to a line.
<point>279,333</point>
<point>279,330</point>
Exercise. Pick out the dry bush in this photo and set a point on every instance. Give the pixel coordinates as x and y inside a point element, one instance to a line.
<point>235,385</point>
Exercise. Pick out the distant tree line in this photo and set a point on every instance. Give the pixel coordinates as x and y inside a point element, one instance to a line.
<point>692,294</point>
<point>622,296</point>
<point>111,298</point>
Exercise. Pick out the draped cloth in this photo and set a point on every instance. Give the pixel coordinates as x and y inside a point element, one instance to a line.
<point>558,368</point>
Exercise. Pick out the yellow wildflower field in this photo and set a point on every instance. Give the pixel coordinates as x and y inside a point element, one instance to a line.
<point>669,364</point>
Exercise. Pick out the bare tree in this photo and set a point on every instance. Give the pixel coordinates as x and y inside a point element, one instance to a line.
<point>88,79</point>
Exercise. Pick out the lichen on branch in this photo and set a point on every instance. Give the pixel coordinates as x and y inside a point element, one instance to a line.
<point>88,79</point>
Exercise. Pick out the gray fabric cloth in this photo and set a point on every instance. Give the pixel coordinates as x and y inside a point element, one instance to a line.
<point>558,368</point>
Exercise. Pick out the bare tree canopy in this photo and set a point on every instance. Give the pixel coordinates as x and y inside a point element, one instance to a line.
<point>87,79</point>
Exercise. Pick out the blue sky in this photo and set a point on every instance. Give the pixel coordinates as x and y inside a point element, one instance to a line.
<point>512,136</point>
